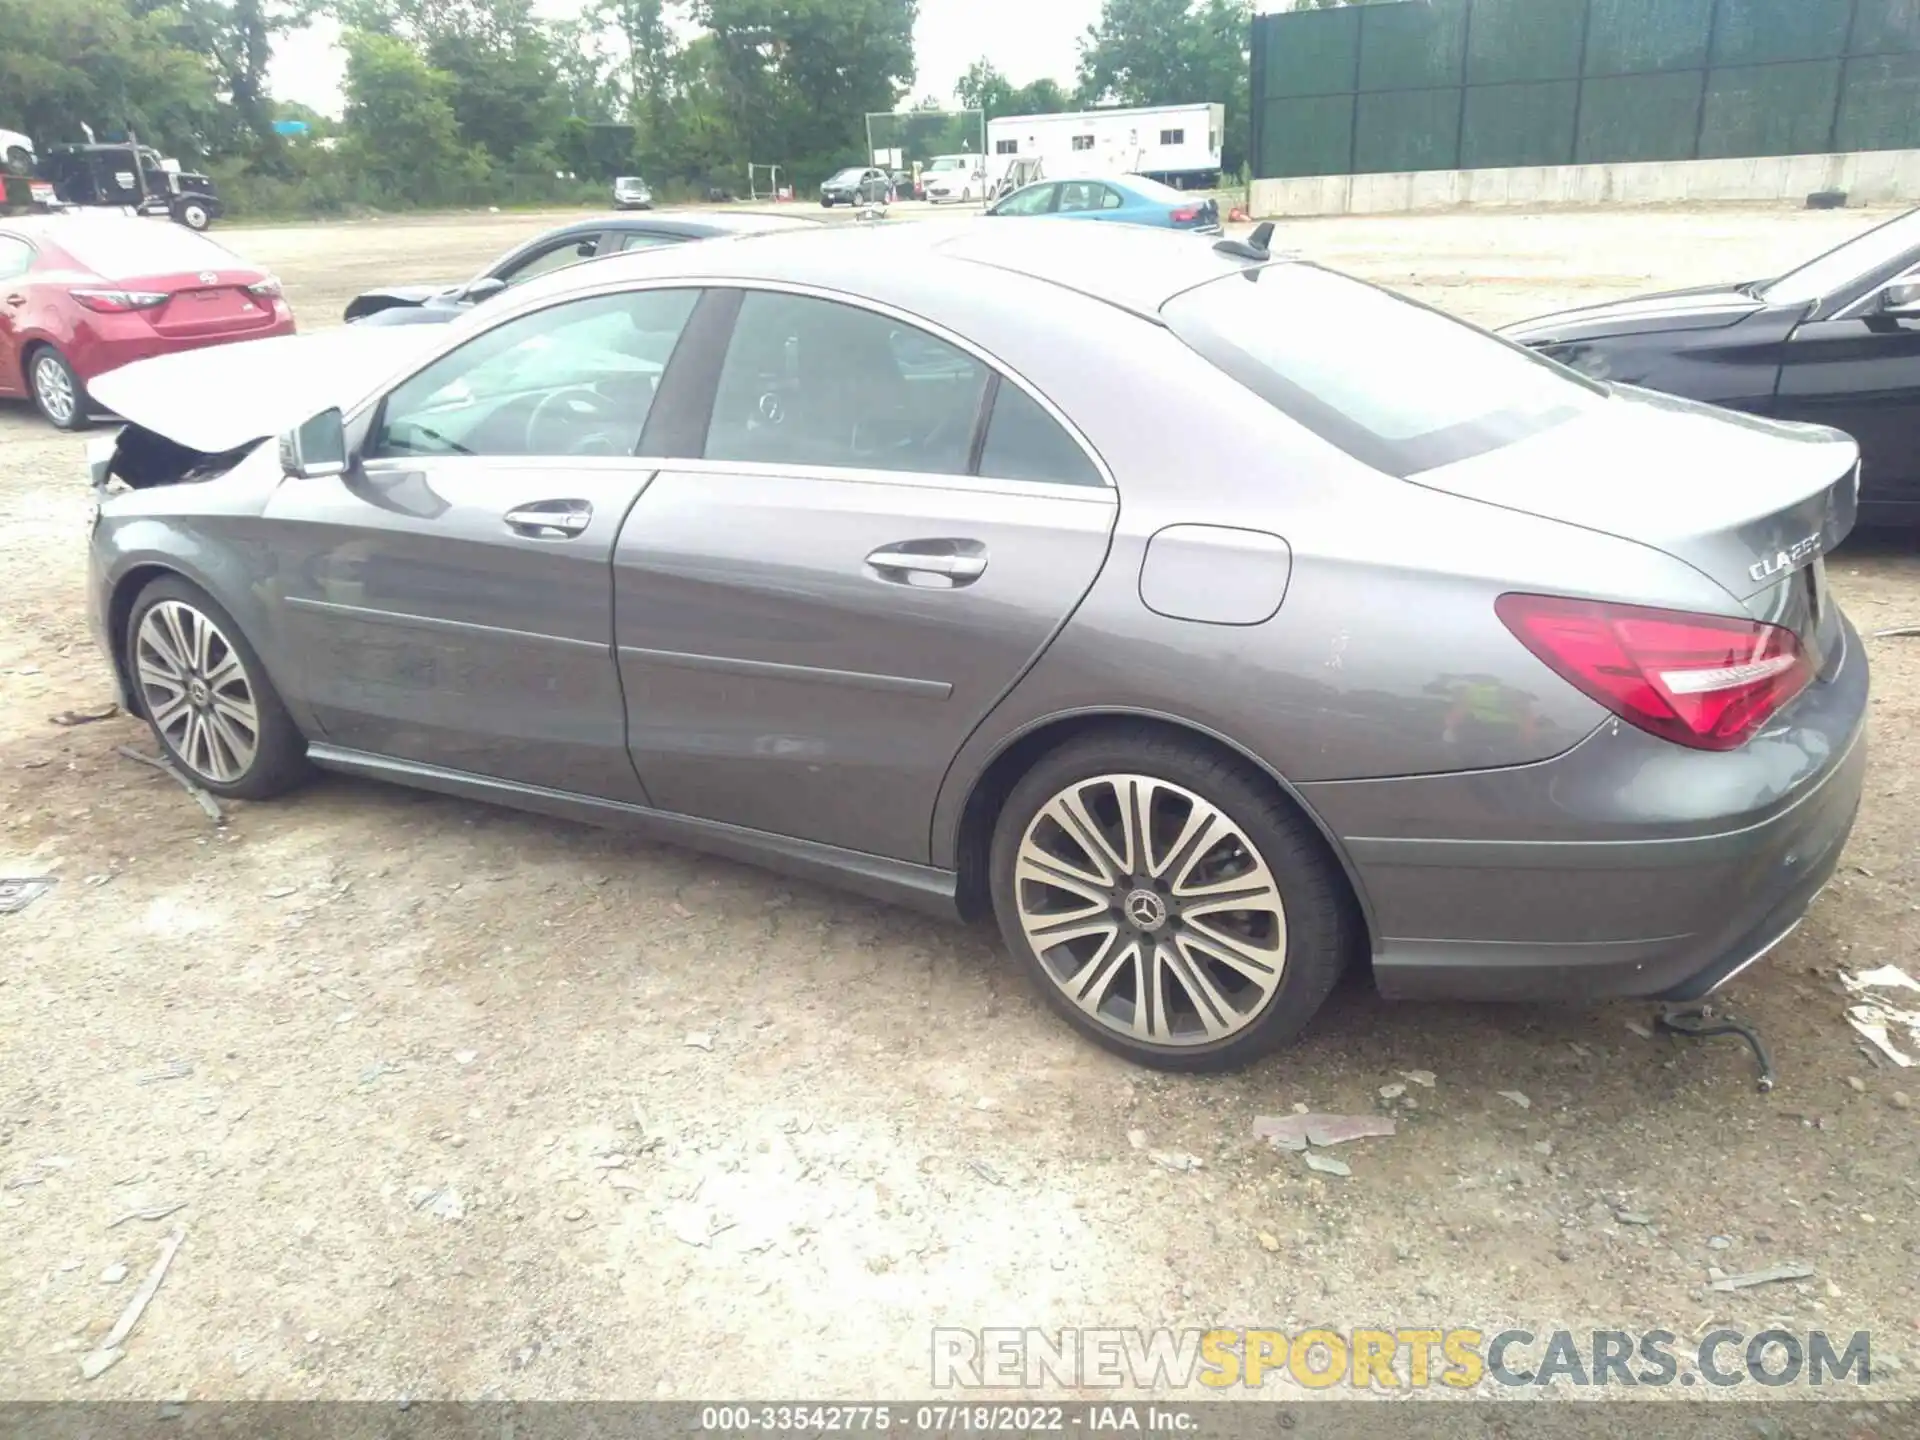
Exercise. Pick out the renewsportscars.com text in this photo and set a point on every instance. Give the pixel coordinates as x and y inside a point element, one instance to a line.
<point>1400,1358</point>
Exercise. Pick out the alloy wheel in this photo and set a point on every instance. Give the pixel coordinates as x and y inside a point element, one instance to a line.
<point>197,691</point>
<point>1151,910</point>
<point>53,387</point>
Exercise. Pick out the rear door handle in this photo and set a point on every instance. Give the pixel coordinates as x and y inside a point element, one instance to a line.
<point>933,563</point>
<point>15,301</point>
<point>550,519</point>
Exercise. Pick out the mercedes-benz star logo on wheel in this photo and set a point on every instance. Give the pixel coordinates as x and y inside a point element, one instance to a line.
<point>1146,909</point>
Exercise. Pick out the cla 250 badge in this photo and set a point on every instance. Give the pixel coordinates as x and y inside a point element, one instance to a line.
<point>1785,560</point>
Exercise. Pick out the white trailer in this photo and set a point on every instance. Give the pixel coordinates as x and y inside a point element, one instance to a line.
<point>1177,144</point>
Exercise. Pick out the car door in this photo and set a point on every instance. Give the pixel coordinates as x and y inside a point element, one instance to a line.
<point>448,600</point>
<point>869,540</point>
<point>16,259</point>
<point>1860,372</point>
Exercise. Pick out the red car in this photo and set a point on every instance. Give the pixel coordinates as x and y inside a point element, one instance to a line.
<point>84,294</point>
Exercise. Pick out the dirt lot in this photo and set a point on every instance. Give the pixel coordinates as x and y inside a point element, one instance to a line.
<point>381,1048</point>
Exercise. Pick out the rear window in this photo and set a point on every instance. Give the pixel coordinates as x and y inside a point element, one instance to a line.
<point>1394,384</point>
<point>117,249</point>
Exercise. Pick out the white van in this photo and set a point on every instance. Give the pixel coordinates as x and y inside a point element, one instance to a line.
<point>955,178</point>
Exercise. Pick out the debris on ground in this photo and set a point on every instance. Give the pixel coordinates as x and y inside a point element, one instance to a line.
<point>1392,1092</point>
<point>151,1212</point>
<point>1268,1242</point>
<point>621,1180</point>
<point>1326,1164</point>
<point>112,1347</point>
<point>1771,1276</point>
<point>442,1200</point>
<point>465,1057</point>
<point>1137,1139</point>
<point>1178,1163</point>
<point>1877,1017</point>
<point>1296,1132</point>
<point>1633,1217</point>
<point>1423,1078</point>
<point>166,767</point>
<point>1517,1098</point>
<point>1637,1028</point>
<point>1856,1084</point>
<point>67,719</point>
<point>1908,630</point>
<point>1719,1242</point>
<point>172,1070</point>
<point>985,1171</point>
<point>700,1039</point>
<point>114,1273</point>
<point>17,892</point>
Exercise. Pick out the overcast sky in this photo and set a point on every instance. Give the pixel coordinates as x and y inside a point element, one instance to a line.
<point>1026,39</point>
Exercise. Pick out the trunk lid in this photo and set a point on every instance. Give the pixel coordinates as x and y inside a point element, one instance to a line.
<point>205,305</point>
<point>1753,504</point>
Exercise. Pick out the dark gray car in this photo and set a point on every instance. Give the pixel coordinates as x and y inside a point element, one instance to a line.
<point>1214,623</point>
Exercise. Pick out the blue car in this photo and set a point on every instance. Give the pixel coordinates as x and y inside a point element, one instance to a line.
<point>1130,199</point>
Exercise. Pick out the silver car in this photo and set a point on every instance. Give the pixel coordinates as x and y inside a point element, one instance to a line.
<point>1214,623</point>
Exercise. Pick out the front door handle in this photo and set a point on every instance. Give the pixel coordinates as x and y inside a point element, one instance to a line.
<point>550,519</point>
<point>932,563</point>
<point>14,302</point>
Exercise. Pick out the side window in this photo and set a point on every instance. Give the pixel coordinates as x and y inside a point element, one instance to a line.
<point>1076,195</point>
<point>645,240</point>
<point>15,257</point>
<point>554,257</point>
<point>815,382</point>
<point>574,379</point>
<point>1026,443</point>
<point>1112,199</point>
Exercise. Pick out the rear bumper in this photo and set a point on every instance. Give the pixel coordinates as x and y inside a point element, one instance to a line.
<point>1703,862</point>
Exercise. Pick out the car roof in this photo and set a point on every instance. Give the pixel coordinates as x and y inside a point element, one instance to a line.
<point>1133,267</point>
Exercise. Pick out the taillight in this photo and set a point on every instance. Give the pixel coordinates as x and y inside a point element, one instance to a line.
<point>1185,215</point>
<point>267,289</point>
<point>118,302</point>
<point>1707,681</point>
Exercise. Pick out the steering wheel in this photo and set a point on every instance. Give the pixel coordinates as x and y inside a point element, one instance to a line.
<point>571,406</point>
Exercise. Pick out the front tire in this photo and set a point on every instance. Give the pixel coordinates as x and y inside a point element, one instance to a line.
<point>1167,901</point>
<point>194,215</point>
<point>57,392</point>
<point>207,697</point>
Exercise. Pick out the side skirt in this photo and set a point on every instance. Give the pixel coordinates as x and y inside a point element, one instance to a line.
<point>897,882</point>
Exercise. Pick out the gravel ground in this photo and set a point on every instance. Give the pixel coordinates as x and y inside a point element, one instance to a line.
<point>382,1048</point>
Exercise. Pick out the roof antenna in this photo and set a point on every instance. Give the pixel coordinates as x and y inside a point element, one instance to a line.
<point>1254,247</point>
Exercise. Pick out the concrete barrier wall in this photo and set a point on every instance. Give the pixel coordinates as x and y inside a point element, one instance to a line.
<point>1872,177</point>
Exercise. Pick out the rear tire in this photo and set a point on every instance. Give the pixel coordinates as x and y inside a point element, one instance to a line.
<point>207,697</point>
<point>57,392</point>
<point>1227,980</point>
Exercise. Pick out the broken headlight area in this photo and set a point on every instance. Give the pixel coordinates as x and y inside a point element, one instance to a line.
<point>140,459</point>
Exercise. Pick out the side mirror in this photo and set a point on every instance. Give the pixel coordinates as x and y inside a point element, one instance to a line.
<point>484,288</point>
<point>1901,298</point>
<point>315,449</point>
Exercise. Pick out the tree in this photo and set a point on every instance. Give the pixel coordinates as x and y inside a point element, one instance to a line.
<point>400,127</point>
<point>1172,52</point>
<point>797,76</point>
<point>99,63</point>
<point>984,88</point>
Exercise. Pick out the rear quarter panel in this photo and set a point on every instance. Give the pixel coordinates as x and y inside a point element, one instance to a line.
<point>1386,657</point>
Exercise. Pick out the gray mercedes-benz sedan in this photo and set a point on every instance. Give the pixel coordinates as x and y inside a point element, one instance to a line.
<point>1213,622</point>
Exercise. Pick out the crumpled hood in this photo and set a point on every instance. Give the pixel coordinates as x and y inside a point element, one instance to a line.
<point>219,398</point>
<point>1711,307</point>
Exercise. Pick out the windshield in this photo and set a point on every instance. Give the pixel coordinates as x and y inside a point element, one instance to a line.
<point>949,162</point>
<point>846,177</point>
<point>1394,384</point>
<point>1880,247</point>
